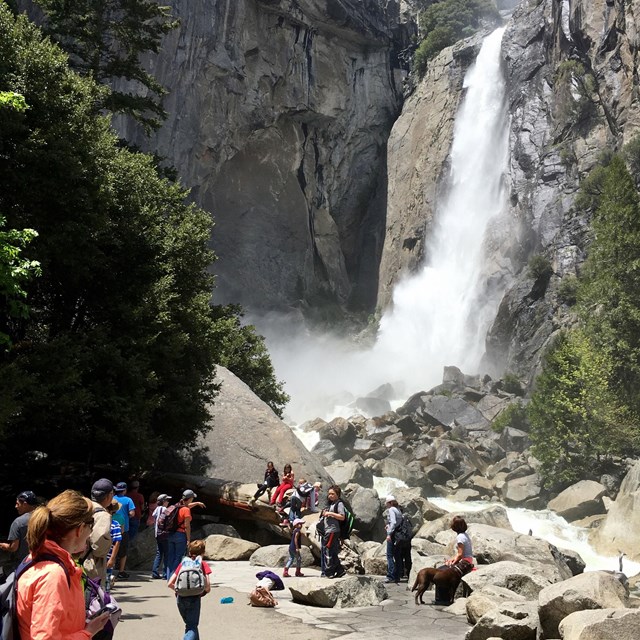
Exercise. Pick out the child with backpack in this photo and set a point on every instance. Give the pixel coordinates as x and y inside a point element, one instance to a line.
<point>294,549</point>
<point>190,582</point>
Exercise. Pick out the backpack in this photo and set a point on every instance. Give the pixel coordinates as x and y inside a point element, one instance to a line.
<point>95,597</point>
<point>9,595</point>
<point>168,521</point>
<point>404,531</point>
<point>305,490</point>
<point>190,580</point>
<point>346,525</point>
<point>261,597</point>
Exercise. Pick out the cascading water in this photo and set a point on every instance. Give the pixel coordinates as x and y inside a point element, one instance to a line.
<point>440,315</point>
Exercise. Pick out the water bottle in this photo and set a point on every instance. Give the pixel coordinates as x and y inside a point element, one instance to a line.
<point>227,600</point>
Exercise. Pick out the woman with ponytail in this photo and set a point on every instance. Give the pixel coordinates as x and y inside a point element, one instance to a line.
<point>50,603</point>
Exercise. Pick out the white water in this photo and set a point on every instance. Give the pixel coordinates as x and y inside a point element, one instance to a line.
<point>551,527</point>
<point>440,315</point>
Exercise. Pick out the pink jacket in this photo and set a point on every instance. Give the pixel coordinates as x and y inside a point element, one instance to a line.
<point>47,608</point>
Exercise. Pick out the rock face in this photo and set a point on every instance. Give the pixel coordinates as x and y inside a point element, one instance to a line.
<point>621,624</point>
<point>279,118</point>
<point>247,434</point>
<point>556,136</point>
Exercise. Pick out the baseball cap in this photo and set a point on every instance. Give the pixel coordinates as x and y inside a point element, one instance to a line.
<point>101,487</point>
<point>121,486</point>
<point>28,496</point>
<point>188,493</point>
<point>390,498</point>
<point>297,521</point>
<point>163,496</point>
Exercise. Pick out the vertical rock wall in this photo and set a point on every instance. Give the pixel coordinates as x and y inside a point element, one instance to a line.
<point>279,114</point>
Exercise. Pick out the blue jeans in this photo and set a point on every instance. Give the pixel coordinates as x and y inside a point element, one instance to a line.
<point>189,608</point>
<point>134,525</point>
<point>176,549</point>
<point>391,564</point>
<point>161,557</point>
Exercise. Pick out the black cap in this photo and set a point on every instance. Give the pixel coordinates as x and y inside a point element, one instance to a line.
<point>101,488</point>
<point>28,496</point>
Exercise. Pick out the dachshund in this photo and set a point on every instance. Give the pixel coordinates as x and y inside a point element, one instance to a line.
<point>446,578</point>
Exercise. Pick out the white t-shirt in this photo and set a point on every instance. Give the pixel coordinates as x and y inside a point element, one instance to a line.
<point>465,541</point>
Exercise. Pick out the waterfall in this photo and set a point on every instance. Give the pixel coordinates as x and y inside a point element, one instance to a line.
<point>440,315</point>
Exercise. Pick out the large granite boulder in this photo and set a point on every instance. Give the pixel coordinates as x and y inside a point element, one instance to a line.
<point>592,590</point>
<point>487,599</point>
<point>601,624</point>
<point>365,506</point>
<point>494,544</point>
<point>524,492</point>
<point>350,591</point>
<point>580,500</point>
<point>509,575</point>
<point>512,620</point>
<point>247,434</point>
<point>275,556</point>
<point>495,516</point>
<point>620,530</point>
<point>225,548</point>
<point>344,473</point>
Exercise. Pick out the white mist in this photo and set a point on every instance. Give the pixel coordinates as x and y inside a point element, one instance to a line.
<point>440,315</point>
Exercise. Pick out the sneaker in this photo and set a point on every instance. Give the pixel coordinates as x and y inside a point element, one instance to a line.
<point>338,575</point>
<point>155,576</point>
<point>389,581</point>
<point>122,575</point>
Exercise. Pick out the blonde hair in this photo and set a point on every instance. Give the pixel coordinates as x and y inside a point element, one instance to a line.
<point>55,519</point>
<point>196,547</point>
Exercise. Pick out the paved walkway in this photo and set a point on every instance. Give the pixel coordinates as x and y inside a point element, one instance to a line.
<point>150,612</point>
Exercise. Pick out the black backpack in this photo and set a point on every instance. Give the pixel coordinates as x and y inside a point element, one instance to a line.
<point>404,531</point>
<point>346,525</point>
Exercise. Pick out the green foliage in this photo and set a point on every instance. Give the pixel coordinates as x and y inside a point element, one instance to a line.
<point>575,88</point>
<point>241,350</point>
<point>576,420</point>
<point>448,21</point>
<point>15,271</point>
<point>631,155</point>
<point>568,290</point>
<point>105,40</point>
<point>610,291</point>
<point>114,362</point>
<point>514,415</point>
<point>539,267</point>
<point>511,384</point>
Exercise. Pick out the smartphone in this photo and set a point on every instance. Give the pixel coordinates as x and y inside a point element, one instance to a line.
<point>110,608</point>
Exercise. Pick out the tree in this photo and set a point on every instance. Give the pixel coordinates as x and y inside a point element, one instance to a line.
<point>106,40</point>
<point>115,361</point>
<point>609,292</point>
<point>577,422</point>
<point>241,350</point>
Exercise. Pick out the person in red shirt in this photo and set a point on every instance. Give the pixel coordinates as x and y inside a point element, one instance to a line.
<point>179,540</point>
<point>138,501</point>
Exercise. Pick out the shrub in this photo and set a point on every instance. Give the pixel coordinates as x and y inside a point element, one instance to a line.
<point>515,415</point>
<point>539,267</point>
<point>568,290</point>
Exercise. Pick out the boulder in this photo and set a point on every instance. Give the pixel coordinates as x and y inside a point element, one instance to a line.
<point>212,528</point>
<point>350,591</point>
<point>344,473</point>
<point>573,560</point>
<point>275,556</point>
<point>366,509</point>
<point>494,544</point>
<point>142,550</point>
<point>374,560</point>
<point>512,439</point>
<point>340,431</point>
<point>618,624</point>
<point>248,433</point>
<point>495,516</point>
<point>437,473</point>
<point>458,457</point>
<point>488,598</point>
<point>390,468</point>
<point>510,575</point>
<point>450,410</point>
<point>523,492</point>
<point>579,501</point>
<point>512,620</point>
<point>225,548</point>
<point>591,590</point>
<point>371,406</point>
<point>620,530</point>
<point>326,452</point>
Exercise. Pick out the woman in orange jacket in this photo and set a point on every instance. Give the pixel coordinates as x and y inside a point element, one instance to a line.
<point>50,603</point>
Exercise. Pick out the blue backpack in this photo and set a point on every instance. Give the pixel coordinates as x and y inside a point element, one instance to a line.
<point>9,596</point>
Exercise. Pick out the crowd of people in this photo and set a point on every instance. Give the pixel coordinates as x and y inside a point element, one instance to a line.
<point>72,539</point>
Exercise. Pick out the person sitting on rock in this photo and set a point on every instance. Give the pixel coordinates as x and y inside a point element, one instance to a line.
<point>294,549</point>
<point>288,478</point>
<point>271,480</point>
<point>462,560</point>
<point>299,497</point>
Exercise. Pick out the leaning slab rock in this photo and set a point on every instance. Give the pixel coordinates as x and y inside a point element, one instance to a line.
<point>352,591</point>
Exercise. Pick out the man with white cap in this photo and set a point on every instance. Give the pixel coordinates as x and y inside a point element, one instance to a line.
<point>95,562</point>
<point>394,518</point>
